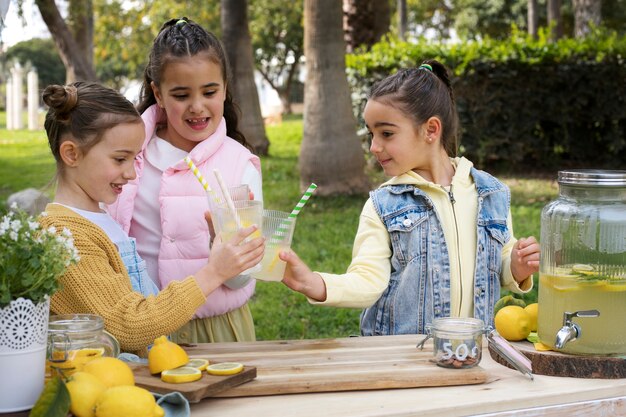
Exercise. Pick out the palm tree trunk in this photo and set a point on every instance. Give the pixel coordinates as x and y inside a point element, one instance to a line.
<point>587,13</point>
<point>238,45</point>
<point>533,18</point>
<point>331,154</point>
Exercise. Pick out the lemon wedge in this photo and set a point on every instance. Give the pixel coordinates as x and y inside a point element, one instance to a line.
<point>198,363</point>
<point>181,375</point>
<point>225,368</point>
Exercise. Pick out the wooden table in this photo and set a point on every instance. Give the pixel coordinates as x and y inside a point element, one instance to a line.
<point>506,393</point>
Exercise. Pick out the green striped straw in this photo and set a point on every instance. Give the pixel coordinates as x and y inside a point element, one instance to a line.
<point>282,228</point>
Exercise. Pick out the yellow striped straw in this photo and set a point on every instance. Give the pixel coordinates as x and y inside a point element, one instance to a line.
<point>200,178</point>
<point>198,175</point>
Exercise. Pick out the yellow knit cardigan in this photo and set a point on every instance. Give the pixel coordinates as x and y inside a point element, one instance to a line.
<point>99,284</point>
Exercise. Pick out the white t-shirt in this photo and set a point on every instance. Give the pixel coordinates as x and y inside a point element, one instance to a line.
<point>112,229</point>
<point>146,222</point>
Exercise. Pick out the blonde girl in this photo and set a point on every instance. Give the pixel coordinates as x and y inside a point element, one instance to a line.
<point>95,135</point>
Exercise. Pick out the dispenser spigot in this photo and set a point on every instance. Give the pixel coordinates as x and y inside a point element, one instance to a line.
<point>570,330</point>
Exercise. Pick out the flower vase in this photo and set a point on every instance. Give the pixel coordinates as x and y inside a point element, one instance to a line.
<point>23,341</point>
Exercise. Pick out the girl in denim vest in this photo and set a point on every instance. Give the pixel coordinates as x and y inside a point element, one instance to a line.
<point>436,240</point>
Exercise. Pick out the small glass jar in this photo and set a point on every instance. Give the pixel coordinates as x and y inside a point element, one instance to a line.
<point>457,342</point>
<point>75,339</point>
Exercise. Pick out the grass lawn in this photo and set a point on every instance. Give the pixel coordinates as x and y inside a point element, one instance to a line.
<point>324,233</point>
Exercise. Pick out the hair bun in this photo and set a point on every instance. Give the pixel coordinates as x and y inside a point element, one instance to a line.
<point>62,99</point>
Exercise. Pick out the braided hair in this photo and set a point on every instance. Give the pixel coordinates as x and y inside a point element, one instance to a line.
<point>180,38</point>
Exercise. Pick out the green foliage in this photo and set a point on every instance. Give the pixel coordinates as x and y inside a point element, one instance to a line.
<point>523,104</point>
<point>41,54</point>
<point>31,258</point>
<point>123,35</point>
<point>54,400</point>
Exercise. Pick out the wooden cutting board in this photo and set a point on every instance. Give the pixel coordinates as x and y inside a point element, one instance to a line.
<point>207,386</point>
<point>346,364</point>
<point>563,364</point>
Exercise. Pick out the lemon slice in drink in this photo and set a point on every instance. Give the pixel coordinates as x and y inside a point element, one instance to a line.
<point>198,363</point>
<point>583,269</point>
<point>181,375</point>
<point>225,368</point>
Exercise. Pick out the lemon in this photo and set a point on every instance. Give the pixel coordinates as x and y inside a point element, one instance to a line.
<point>110,371</point>
<point>128,401</point>
<point>166,355</point>
<point>513,323</point>
<point>532,310</point>
<point>225,368</point>
<point>181,375</point>
<point>84,391</point>
<point>198,363</point>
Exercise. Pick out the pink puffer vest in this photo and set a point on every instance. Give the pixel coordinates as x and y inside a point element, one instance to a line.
<point>183,201</point>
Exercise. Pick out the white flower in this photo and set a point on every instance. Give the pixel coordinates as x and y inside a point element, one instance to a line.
<point>13,206</point>
<point>15,225</point>
<point>66,232</point>
<point>32,225</point>
<point>51,229</point>
<point>13,235</point>
<point>43,214</point>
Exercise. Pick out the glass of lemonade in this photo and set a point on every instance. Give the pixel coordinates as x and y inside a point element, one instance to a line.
<point>247,213</point>
<point>278,230</point>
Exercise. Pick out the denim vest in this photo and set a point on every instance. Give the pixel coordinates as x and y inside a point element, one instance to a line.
<point>136,267</point>
<point>419,286</point>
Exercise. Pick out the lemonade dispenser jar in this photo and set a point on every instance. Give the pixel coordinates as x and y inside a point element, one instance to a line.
<point>582,275</point>
<point>75,339</point>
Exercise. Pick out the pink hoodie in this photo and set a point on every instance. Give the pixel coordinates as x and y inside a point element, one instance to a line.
<point>183,201</point>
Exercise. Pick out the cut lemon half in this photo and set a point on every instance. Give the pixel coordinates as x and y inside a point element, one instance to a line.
<point>225,368</point>
<point>198,363</point>
<point>181,375</point>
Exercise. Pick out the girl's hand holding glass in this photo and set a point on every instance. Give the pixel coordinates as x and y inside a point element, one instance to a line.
<point>228,259</point>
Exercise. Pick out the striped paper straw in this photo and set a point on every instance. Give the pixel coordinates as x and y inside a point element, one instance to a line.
<point>200,178</point>
<point>282,228</point>
<point>197,173</point>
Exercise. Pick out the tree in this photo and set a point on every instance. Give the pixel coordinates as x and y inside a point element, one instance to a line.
<point>331,153</point>
<point>402,19</point>
<point>123,35</point>
<point>555,21</point>
<point>587,13</point>
<point>76,54</point>
<point>533,18</point>
<point>238,45</point>
<point>277,41</point>
<point>365,22</point>
<point>42,55</point>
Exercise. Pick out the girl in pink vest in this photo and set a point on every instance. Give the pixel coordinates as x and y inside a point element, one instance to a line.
<point>187,109</point>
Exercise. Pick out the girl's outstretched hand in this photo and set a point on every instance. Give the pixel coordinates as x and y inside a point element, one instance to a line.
<point>525,258</point>
<point>299,277</point>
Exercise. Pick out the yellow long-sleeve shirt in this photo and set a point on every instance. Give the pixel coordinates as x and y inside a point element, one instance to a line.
<point>369,272</point>
<point>99,284</point>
